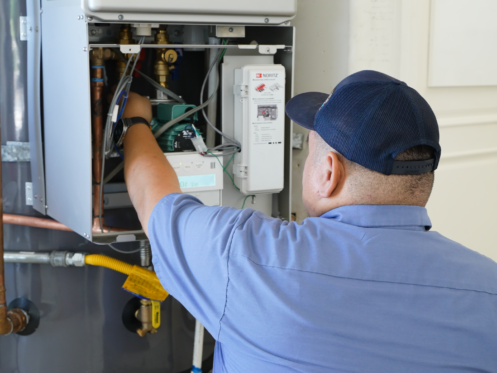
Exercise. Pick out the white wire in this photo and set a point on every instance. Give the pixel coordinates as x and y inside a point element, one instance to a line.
<point>122,251</point>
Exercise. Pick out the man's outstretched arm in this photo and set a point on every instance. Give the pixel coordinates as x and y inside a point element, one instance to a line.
<point>147,172</point>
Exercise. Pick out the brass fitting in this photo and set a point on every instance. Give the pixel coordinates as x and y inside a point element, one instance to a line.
<point>99,55</point>
<point>164,58</point>
<point>125,37</point>
<point>144,315</point>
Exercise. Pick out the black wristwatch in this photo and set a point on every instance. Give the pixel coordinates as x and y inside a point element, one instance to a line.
<point>122,127</point>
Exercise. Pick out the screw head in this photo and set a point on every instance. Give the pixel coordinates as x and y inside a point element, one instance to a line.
<point>120,17</point>
<point>266,20</point>
<point>268,50</point>
<point>93,32</point>
<point>230,29</point>
<point>89,19</point>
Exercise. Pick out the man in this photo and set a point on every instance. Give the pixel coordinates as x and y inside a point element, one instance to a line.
<point>362,285</point>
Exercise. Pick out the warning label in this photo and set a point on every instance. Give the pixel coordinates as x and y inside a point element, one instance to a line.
<point>267,107</point>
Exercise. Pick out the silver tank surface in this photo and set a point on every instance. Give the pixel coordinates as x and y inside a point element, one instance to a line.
<point>80,329</point>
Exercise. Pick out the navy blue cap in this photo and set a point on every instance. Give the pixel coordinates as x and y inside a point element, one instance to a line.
<point>370,119</point>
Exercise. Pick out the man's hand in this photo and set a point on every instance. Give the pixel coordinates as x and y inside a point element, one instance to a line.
<point>138,106</point>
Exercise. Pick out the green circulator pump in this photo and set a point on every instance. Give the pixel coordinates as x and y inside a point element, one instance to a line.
<point>176,138</point>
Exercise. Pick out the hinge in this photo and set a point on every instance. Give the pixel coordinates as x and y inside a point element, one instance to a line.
<point>29,193</point>
<point>240,171</point>
<point>23,26</point>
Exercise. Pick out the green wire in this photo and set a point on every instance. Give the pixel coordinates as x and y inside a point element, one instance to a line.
<point>225,49</point>
<point>227,173</point>
<point>224,167</point>
<point>245,200</point>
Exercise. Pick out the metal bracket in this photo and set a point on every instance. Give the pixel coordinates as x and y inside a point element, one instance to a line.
<point>130,48</point>
<point>240,90</point>
<point>29,193</point>
<point>23,26</point>
<point>240,171</point>
<point>270,49</point>
<point>228,31</point>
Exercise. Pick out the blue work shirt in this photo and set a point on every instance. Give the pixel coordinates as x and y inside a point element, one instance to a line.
<point>362,288</point>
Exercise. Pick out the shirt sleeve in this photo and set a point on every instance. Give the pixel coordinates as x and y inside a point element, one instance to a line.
<point>190,246</point>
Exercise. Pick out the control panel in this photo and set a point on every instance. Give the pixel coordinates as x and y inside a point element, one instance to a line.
<point>199,176</point>
<point>260,128</point>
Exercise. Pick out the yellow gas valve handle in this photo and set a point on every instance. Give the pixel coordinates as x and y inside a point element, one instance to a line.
<point>145,284</point>
<point>155,314</point>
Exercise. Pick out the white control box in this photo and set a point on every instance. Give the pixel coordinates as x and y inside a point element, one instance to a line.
<point>260,128</point>
<point>199,176</point>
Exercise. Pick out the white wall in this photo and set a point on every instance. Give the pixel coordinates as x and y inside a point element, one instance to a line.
<point>338,37</point>
<point>321,61</point>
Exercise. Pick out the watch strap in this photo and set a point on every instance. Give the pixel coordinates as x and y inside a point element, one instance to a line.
<point>126,124</point>
<point>136,120</point>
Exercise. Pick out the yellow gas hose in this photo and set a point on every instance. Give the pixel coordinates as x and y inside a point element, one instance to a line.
<point>111,263</point>
<point>140,281</point>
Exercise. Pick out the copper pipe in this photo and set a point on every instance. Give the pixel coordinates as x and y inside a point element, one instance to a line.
<point>106,229</point>
<point>97,87</point>
<point>31,221</point>
<point>16,319</point>
<point>98,57</point>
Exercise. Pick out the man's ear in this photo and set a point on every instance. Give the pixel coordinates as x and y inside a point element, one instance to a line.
<point>332,172</point>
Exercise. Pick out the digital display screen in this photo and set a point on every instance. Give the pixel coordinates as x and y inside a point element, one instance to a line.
<point>197,181</point>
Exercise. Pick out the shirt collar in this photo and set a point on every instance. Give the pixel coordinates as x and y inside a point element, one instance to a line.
<point>386,216</point>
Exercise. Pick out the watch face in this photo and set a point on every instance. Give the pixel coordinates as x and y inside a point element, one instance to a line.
<point>118,132</point>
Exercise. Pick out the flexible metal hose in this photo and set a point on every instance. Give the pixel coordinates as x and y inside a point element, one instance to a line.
<point>111,263</point>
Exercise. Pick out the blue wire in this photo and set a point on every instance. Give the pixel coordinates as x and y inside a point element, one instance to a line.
<point>118,152</point>
<point>123,105</point>
<point>189,125</point>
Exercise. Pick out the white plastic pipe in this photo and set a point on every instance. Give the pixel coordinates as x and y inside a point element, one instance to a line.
<point>198,347</point>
